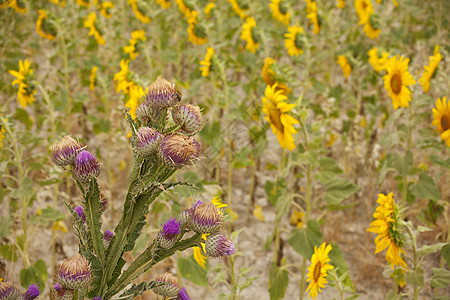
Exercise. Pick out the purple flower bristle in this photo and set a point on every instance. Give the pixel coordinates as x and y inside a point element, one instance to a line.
<point>97,298</point>
<point>57,287</point>
<point>171,227</point>
<point>182,295</point>
<point>107,236</point>
<point>80,212</point>
<point>32,292</point>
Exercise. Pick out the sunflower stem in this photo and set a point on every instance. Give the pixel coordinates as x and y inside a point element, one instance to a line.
<point>415,257</point>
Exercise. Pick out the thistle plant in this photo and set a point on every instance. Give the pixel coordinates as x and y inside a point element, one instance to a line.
<point>163,141</point>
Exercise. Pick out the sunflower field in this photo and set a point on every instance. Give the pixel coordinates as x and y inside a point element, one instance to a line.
<point>224,149</point>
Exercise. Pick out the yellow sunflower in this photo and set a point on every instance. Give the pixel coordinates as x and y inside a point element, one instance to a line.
<point>312,15</point>
<point>397,80</point>
<point>206,64</point>
<point>45,28</point>
<point>276,114</point>
<point>136,92</point>
<point>249,35</point>
<point>84,3</point>
<point>105,8</point>
<point>270,78</point>
<point>345,66</point>
<point>378,63</point>
<point>63,2</point>
<point>197,33</point>
<point>90,22</point>
<point>340,4</point>
<point>363,9</point>
<point>293,40</point>
<point>430,70</point>
<point>297,219</point>
<point>184,8</point>
<point>386,225</point>
<point>25,80</point>
<point>165,4</point>
<point>239,7</point>
<point>280,11</point>
<point>208,9</point>
<point>372,27</point>
<point>198,254</point>
<point>93,78</point>
<point>441,116</point>
<point>2,134</point>
<point>136,37</point>
<point>138,11</point>
<point>318,270</point>
<point>122,78</point>
<point>19,6</point>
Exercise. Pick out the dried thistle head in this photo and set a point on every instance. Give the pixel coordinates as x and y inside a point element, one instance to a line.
<point>189,117</point>
<point>65,151</point>
<point>178,150</point>
<point>218,244</point>
<point>74,273</point>
<point>206,218</point>
<point>170,288</point>
<point>147,141</point>
<point>8,291</point>
<point>162,94</point>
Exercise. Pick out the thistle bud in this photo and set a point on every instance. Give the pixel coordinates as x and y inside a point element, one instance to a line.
<point>162,94</point>
<point>65,151</point>
<point>8,291</point>
<point>149,115</point>
<point>186,215</point>
<point>86,167</point>
<point>31,293</point>
<point>107,236</point>
<point>170,288</point>
<point>182,295</point>
<point>218,245</point>
<point>206,218</point>
<point>189,117</point>
<point>74,273</point>
<point>80,212</point>
<point>167,237</point>
<point>97,298</point>
<point>147,141</point>
<point>178,150</point>
<point>61,294</point>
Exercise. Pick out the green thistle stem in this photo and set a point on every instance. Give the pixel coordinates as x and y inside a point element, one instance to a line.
<point>75,295</point>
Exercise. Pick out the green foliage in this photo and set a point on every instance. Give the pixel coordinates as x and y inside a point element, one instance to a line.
<point>190,270</point>
<point>36,274</point>
<point>278,281</point>
<point>305,239</point>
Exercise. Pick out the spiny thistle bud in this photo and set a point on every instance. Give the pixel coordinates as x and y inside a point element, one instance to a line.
<point>186,215</point>
<point>182,295</point>
<point>189,117</point>
<point>162,93</point>
<point>86,167</point>
<point>80,212</point>
<point>31,293</point>
<point>167,237</point>
<point>218,245</point>
<point>147,141</point>
<point>8,291</point>
<point>170,288</point>
<point>206,218</point>
<point>107,236</point>
<point>61,294</point>
<point>178,150</point>
<point>74,273</point>
<point>65,151</point>
<point>148,115</point>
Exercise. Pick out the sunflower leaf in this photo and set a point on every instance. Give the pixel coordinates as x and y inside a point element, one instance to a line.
<point>278,281</point>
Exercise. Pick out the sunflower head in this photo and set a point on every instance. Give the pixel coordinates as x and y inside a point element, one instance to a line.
<point>318,270</point>
<point>397,80</point>
<point>441,119</point>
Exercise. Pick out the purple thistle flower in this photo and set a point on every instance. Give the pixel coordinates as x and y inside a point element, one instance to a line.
<point>61,294</point>
<point>8,291</point>
<point>97,298</point>
<point>57,287</point>
<point>189,117</point>
<point>107,236</point>
<point>206,218</point>
<point>162,94</point>
<point>218,245</point>
<point>167,237</point>
<point>147,141</point>
<point>86,167</point>
<point>186,215</point>
<point>32,292</point>
<point>170,289</point>
<point>80,212</point>
<point>178,150</point>
<point>182,295</point>
<point>74,273</point>
<point>65,151</point>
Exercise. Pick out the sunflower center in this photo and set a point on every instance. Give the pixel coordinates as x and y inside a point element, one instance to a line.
<point>374,21</point>
<point>255,35</point>
<point>316,274</point>
<point>48,27</point>
<point>298,41</point>
<point>199,31</point>
<point>364,5</point>
<point>445,122</point>
<point>396,83</point>
<point>20,4</point>
<point>283,7</point>
<point>275,115</point>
